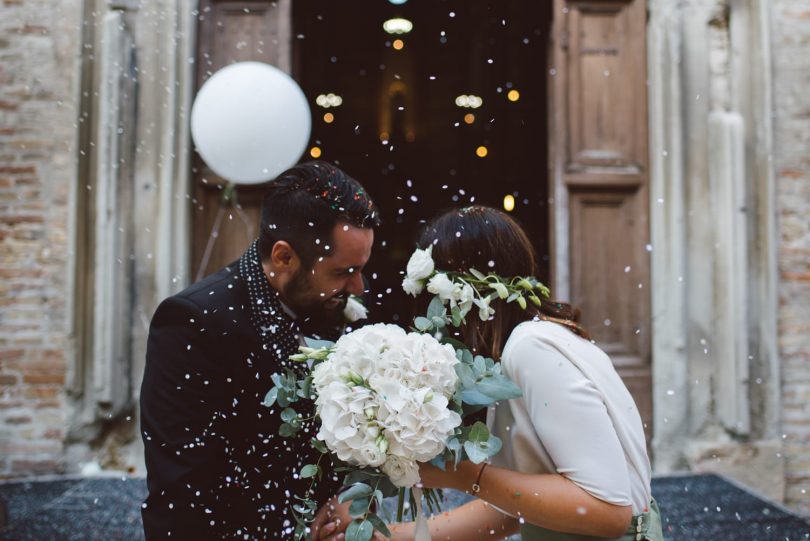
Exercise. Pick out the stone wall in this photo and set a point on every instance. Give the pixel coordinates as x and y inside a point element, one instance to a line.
<point>39,46</point>
<point>791,80</point>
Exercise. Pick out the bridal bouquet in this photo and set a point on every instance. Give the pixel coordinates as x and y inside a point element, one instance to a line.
<point>386,399</point>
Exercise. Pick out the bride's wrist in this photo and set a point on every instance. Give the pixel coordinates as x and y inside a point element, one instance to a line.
<point>468,473</point>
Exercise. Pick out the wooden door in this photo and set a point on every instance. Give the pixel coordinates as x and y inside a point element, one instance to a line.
<point>600,186</point>
<point>231,32</point>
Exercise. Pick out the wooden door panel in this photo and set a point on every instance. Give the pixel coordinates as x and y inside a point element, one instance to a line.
<point>604,105</point>
<point>600,159</point>
<point>608,271</point>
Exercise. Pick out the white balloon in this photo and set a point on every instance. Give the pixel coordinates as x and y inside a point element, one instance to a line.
<point>250,121</point>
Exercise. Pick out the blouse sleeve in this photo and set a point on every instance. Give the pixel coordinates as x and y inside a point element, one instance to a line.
<point>570,418</point>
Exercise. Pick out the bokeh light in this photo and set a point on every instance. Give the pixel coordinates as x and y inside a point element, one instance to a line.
<point>508,202</point>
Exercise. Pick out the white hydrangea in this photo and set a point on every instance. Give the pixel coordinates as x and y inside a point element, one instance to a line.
<point>383,399</point>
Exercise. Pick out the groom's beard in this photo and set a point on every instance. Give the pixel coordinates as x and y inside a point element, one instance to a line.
<point>309,306</point>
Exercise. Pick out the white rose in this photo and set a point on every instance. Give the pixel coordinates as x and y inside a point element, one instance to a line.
<point>442,286</point>
<point>354,310</point>
<point>372,455</point>
<point>420,265</point>
<point>401,471</point>
<point>412,287</point>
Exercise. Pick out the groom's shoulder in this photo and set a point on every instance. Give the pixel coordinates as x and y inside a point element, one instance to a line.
<point>220,293</point>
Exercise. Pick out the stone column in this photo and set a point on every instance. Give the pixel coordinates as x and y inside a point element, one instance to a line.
<point>716,383</point>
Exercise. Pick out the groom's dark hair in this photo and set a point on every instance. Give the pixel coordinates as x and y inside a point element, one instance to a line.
<point>303,205</point>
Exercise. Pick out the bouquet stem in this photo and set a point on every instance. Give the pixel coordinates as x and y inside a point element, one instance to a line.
<point>400,504</point>
<point>421,531</point>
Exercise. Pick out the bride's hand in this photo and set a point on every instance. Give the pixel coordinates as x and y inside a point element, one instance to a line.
<point>458,479</point>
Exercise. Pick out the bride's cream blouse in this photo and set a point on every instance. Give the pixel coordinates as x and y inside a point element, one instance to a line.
<point>575,418</point>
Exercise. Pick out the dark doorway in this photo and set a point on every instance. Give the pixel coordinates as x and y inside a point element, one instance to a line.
<point>399,130</point>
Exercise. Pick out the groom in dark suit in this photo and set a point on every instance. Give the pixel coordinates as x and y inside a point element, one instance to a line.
<point>217,467</point>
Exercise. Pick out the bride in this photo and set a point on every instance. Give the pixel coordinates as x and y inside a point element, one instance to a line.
<point>574,463</point>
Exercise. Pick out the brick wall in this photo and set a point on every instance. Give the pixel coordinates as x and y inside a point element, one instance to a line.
<point>38,66</point>
<point>791,60</point>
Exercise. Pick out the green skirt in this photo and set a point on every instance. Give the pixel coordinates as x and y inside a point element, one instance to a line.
<point>645,527</point>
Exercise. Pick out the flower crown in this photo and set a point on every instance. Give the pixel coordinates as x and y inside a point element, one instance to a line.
<point>463,290</point>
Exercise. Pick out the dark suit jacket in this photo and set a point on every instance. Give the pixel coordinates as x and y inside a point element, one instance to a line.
<point>216,466</point>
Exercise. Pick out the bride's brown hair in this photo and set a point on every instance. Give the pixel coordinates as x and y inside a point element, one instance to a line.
<point>490,241</point>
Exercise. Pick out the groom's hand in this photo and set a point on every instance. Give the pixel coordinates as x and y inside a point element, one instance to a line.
<point>331,519</point>
<point>337,520</point>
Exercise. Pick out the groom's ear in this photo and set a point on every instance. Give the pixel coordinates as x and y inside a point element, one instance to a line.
<point>283,257</point>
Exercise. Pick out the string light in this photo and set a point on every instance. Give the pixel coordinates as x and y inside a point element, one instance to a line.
<point>315,152</point>
<point>471,102</point>
<point>481,151</point>
<point>329,100</point>
<point>397,25</point>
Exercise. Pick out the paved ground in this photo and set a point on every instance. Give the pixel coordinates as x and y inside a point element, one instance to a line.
<point>695,508</point>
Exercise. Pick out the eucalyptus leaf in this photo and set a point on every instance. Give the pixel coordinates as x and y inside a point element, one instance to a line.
<point>270,397</point>
<point>359,530</point>
<point>359,507</point>
<point>479,432</point>
<point>310,470</point>
<point>359,476</point>
<point>378,524</point>
<point>359,490</point>
<point>478,274</point>
<point>318,344</point>
<point>474,397</point>
<point>305,388</point>
<point>422,324</point>
<point>466,356</point>
<point>494,444</point>
<point>287,430</point>
<point>319,446</point>
<point>498,388</point>
<point>289,415</point>
<point>378,498</point>
<point>465,374</point>
<point>436,308</point>
<point>474,452</point>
